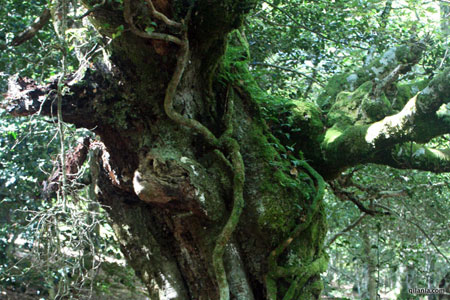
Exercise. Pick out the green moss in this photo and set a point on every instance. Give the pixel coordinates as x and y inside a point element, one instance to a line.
<point>281,212</point>
<point>436,93</point>
<point>335,85</point>
<point>376,109</point>
<point>421,157</point>
<point>331,135</point>
<point>341,82</point>
<point>410,52</point>
<point>379,68</point>
<point>307,116</point>
<point>346,108</point>
<point>404,92</point>
<point>284,191</point>
<point>338,138</point>
<point>281,193</point>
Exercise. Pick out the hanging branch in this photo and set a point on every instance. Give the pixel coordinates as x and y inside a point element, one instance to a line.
<point>345,195</point>
<point>31,31</point>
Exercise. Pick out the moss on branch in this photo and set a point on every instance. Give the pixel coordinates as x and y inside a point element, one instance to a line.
<point>404,56</point>
<point>424,117</point>
<point>416,156</point>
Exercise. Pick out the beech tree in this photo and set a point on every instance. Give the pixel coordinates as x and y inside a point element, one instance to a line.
<point>206,201</point>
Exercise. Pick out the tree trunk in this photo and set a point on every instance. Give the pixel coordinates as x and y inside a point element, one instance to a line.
<point>168,169</point>
<point>371,264</point>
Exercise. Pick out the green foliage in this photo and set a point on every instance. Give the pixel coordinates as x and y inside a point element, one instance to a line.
<point>324,38</point>
<point>404,249</point>
<point>29,147</point>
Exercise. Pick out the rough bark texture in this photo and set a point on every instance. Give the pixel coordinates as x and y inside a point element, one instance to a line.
<point>185,155</point>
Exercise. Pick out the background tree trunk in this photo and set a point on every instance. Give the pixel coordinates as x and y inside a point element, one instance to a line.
<point>370,261</point>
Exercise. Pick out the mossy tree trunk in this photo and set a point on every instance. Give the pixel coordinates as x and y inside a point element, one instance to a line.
<point>205,201</point>
<point>201,201</point>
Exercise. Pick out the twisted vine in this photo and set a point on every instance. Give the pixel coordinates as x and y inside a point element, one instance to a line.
<point>301,274</point>
<point>225,143</point>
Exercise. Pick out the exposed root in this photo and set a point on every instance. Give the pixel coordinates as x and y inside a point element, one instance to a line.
<point>232,147</point>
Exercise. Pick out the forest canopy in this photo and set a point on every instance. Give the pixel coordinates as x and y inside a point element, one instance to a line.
<point>234,149</point>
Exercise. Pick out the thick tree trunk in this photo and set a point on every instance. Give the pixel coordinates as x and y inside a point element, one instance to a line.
<point>184,150</point>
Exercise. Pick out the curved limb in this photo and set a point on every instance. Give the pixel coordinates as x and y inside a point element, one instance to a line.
<point>161,16</point>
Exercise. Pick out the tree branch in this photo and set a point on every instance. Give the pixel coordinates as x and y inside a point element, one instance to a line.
<point>91,10</point>
<point>26,98</point>
<point>402,57</point>
<point>31,31</point>
<point>425,234</point>
<point>415,156</point>
<point>419,121</point>
<point>345,195</point>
